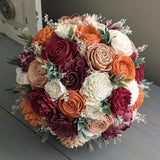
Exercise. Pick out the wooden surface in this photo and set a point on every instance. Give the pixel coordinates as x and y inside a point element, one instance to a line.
<point>19,142</point>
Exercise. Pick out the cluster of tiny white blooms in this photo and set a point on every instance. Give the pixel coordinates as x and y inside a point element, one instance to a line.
<point>121,42</point>
<point>96,87</point>
<point>139,117</point>
<point>93,110</point>
<point>65,31</point>
<point>21,77</point>
<point>89,136</point>
<point>142,48</point>
<point>118,120</point>
<point>55,89</point>
<point>133,88</point>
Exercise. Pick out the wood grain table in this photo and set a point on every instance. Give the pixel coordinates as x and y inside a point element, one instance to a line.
<point>18,141</point>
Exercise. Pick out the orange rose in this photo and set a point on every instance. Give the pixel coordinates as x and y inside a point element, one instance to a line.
<point>72,103</point>
<point>100,56</point>
<point>36,74</point>
<point>99,125</point>
<point>30,115</point>
<point>43,35</point>
<point>87,34</point>
<point>139,101</point>
<point>123,64</point>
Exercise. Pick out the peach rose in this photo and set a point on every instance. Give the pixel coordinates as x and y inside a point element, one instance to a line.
<point>139,101</point>
<point>123,64</point>
<point>99,125</point>
<point>43,35</point>
<point>100,56</point>
<point>36,74</point>
<point>72,103</point>
<point>87,34</point>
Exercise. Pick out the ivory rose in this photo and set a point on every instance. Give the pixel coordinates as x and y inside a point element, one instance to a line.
<point>99,125</point>
<point>87,34</point>
<point>100,56</point>
<point>96,87</point>
<point>36,74</point>
<point>123,64</point>
<point>71,103</point>
<point>21,77</point>
<point>120,42</point>
<point>55,89</point>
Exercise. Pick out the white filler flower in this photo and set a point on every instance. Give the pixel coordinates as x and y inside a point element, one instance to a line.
<point>120,42</point>
<point>21,77</point>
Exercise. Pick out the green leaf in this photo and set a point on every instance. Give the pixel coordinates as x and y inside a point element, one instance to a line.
<point>100,140</point>
<point>105,107</point>
<point>89,146</point>
<point>13,60</point>
<point>101,31</point>
<point>45,137</point>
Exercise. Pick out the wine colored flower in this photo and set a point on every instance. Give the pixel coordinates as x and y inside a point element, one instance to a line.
<point>58,50</point>
<point>36,74</point>
<point>123,64</point>
<point>140,73</point>
<point>87,34</point>
<point>120,99</point>
<point>25,59</point>
<point>75,72</point>
<point>42,103</point>
<point>43,35</point>
<point>100,56</point>
<point>72,103</point>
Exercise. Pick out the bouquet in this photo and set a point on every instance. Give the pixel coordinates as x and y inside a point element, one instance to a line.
<point>80,78</point>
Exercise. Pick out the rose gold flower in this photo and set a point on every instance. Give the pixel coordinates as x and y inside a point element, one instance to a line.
<point>100,56</point>
<point>134,47</point>
<point>70,142</point>
<point>36,74</point>
<point>99,125</point>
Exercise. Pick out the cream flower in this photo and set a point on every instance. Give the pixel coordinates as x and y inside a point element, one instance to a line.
<point>89,136</point>
<point>96,87</point>
<point>133,88</point>
<point>55,89</point>
<point>93,110</point>
<point>22,77</point>
<point>120,42</point>
<point>99,25</point>
<point>65,30</point>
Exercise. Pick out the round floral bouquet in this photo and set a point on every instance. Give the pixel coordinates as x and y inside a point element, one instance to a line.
<point>79,79</point>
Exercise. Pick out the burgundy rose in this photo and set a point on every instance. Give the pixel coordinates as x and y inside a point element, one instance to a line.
<point>119,100</point>
<point>75,72</point>
<point>134,55</point>
<point>58,50</point>
<point>25,59</point>
<point>110,26</point>
<point>140,73</point>
<point>42,103</point>
<point>111,132</point>
<point>62,125</point>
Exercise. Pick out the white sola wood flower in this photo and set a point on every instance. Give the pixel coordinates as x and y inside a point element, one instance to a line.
<point>55,89</point>
<point>21,77</point>
<point>96,87</point>
<point>133,88</point>
<point>65,31</point>
<point>120,42</point>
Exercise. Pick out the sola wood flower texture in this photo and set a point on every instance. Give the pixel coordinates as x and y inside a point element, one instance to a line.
<point>79,79</point>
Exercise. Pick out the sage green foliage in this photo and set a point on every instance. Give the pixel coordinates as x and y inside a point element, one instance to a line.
<point>105,36</point>
<point>53,71</point>
<point>138,61</point>
<point>105,107</point>
<point>13,60</point>
<point>23,89</point>
<point>147,88</point>
<point>26,37</point>
<point>89,146</point>
<point>82,125</point>
<point>45,136</point>
<point>119,80</point>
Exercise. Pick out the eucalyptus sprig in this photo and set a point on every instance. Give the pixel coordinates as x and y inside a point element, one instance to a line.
<point>105,107</point>
<point>53,71</point>
<point>137,61</point>
<point>26,37</point>
<point>89,146</point>
<point>119,80</point>
<point>82,125</point>
<point>105,36</point>
<point>146,87</point>
<point>23,89</point>
<point>100,141</point>
<point>13,60</point>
